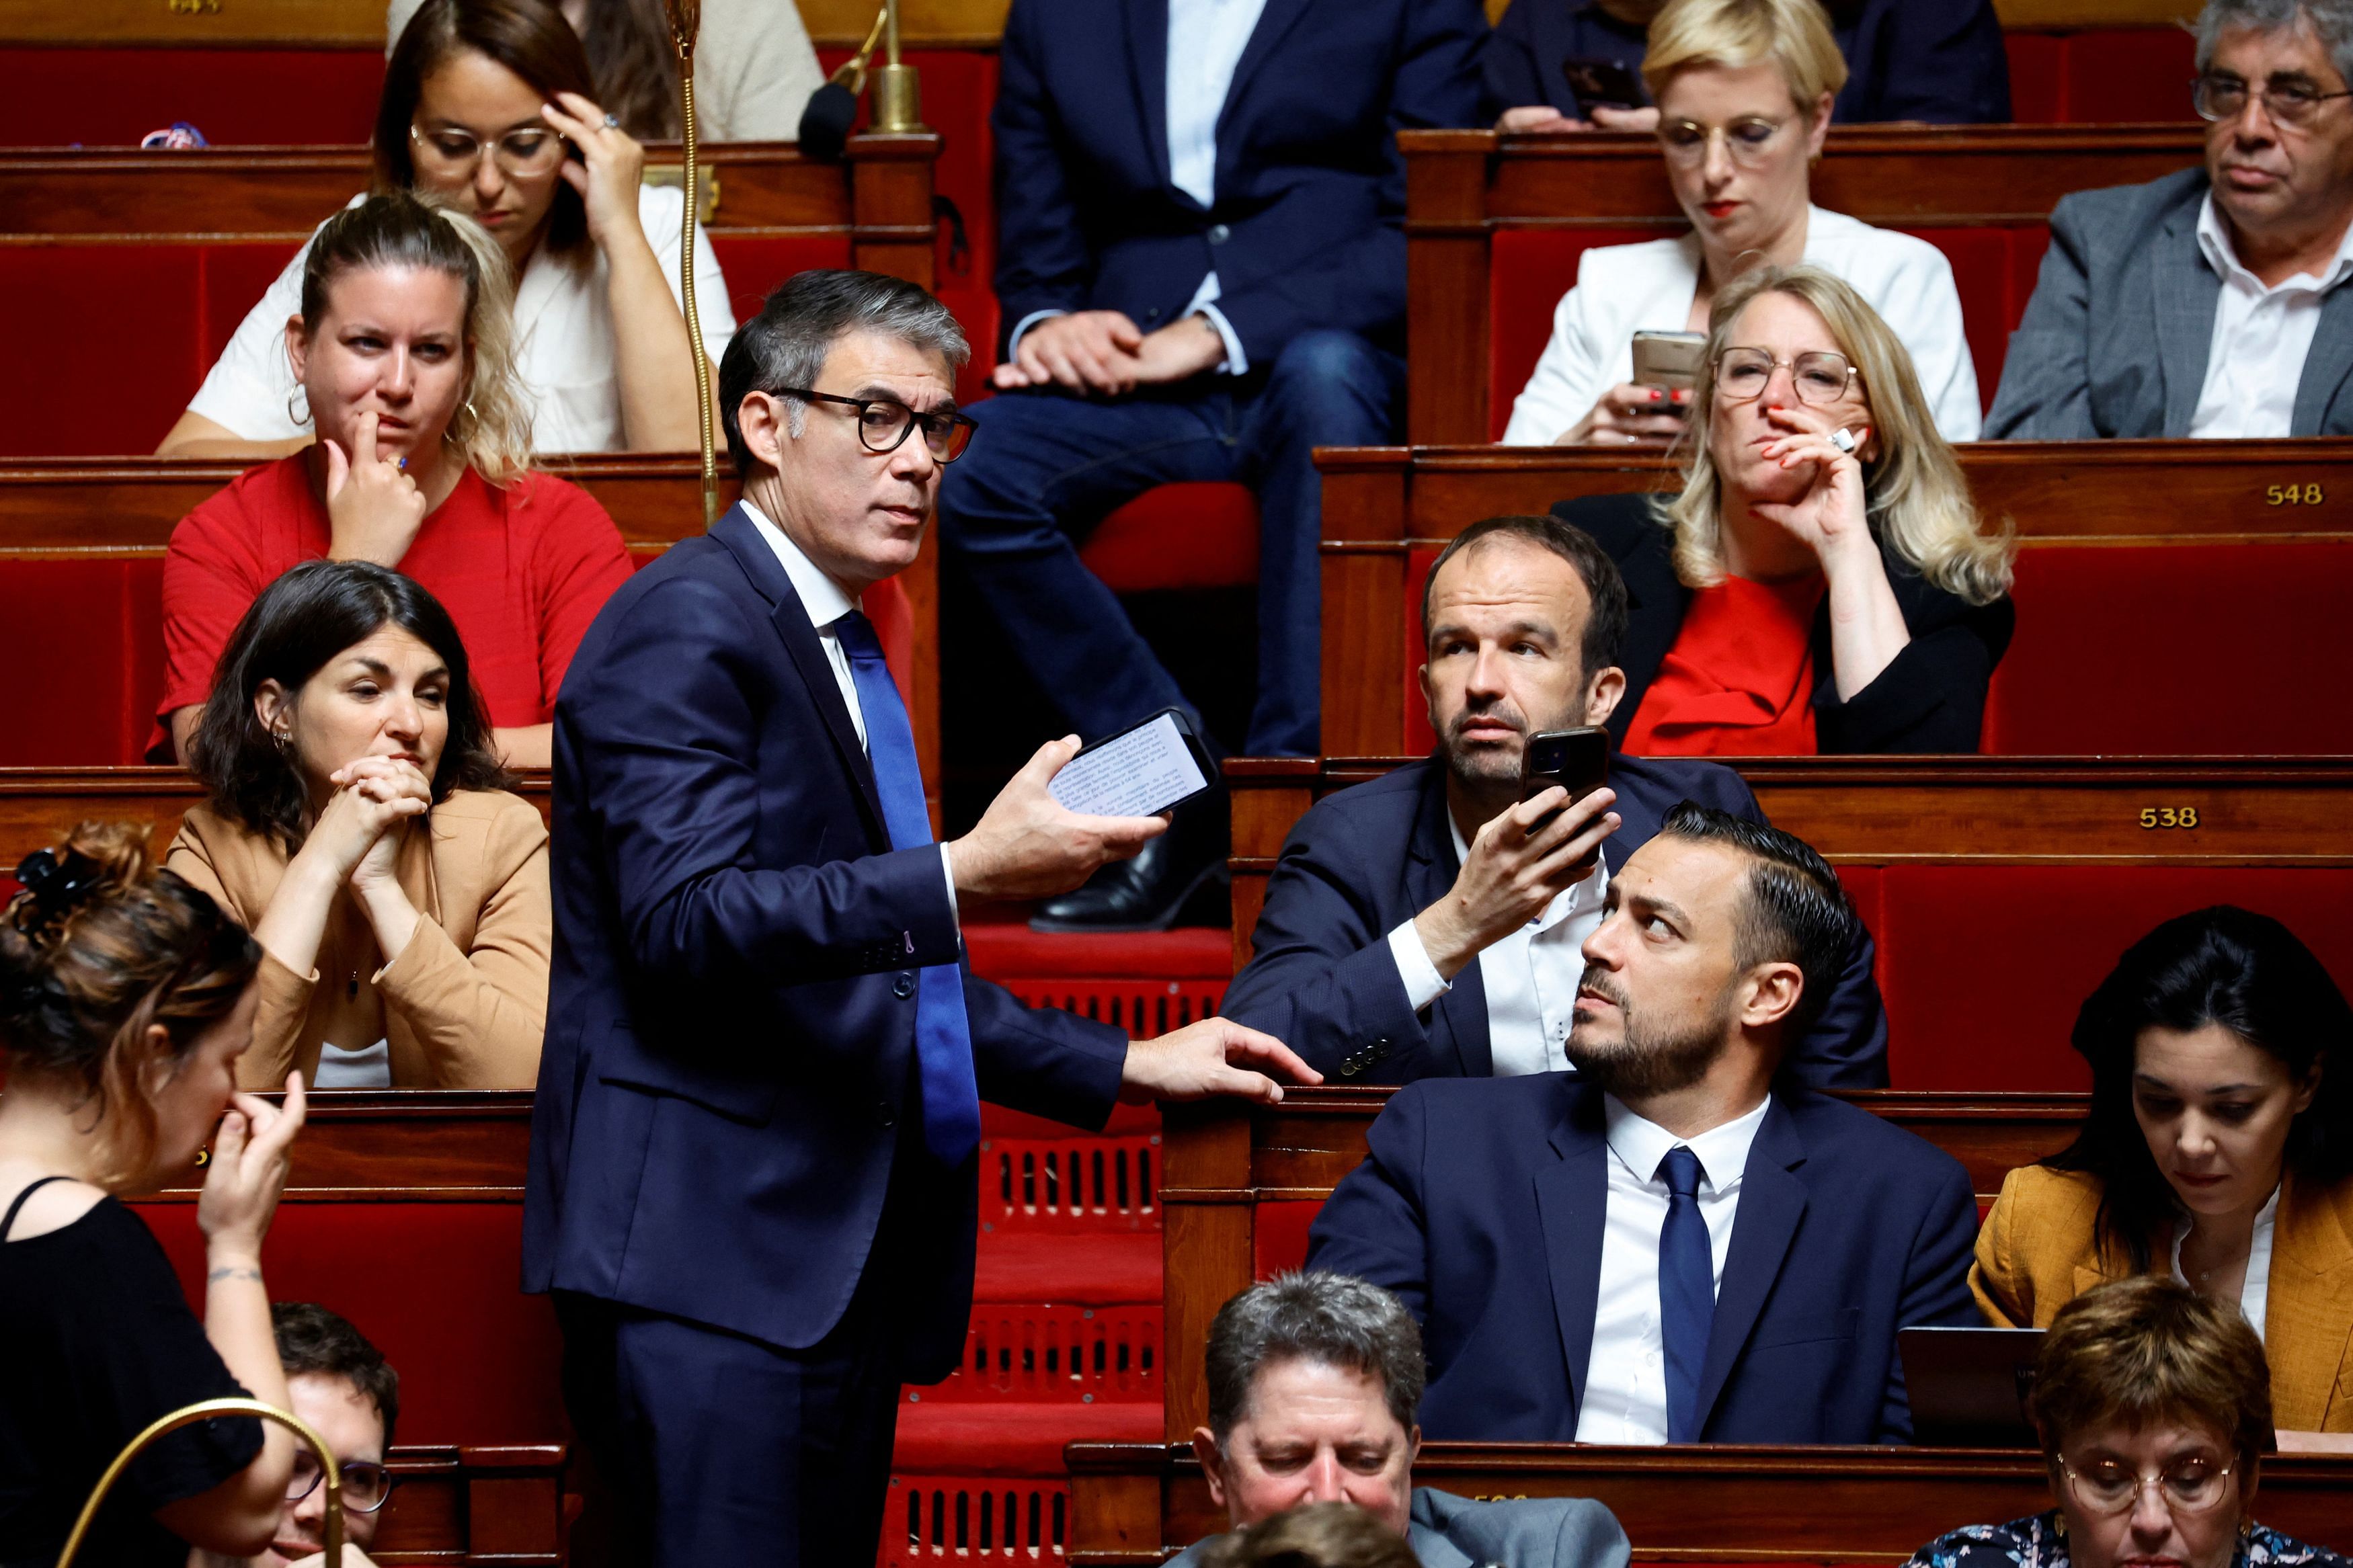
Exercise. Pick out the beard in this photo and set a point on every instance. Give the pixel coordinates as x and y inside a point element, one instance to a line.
<point>1644,1061</point>
<point>1486,767</point>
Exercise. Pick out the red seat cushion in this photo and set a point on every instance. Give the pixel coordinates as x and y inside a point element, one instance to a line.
<point>2144,650</point>
<point>88,634</point>
<point>756,265</point>
<point>1178,536</point>
<point>113,97</point>
<point>1528,270</point>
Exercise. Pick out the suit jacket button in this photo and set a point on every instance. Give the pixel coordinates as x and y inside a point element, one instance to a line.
<point>1219,234</point>
<point>882,1112</point>
<point>1349,1069</point>
<point>1152,314</point>
<point>904,987</point>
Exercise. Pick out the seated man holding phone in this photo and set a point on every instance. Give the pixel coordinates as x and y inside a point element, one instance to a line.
<point>1429,923</point>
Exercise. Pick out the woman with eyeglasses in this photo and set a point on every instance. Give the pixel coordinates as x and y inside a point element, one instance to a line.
<point>126,998</point>
<point>489,107</point>
<point>404,348</point>
<point>2155,1410</point>
<point>1745,89</point>
<point>1822,582</point>
<point>2218,1150</point>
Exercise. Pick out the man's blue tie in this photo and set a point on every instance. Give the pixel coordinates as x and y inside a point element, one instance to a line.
<point>943,1032</point>
<point>1686,1292</point>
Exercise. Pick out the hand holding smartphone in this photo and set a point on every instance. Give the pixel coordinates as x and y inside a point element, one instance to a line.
<point>1577,760</point>
<point>1142,771</point>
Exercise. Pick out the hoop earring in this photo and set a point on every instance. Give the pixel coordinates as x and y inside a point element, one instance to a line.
<point>291,416</point>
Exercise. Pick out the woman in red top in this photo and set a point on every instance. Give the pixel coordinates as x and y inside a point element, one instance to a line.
<point>405,351</point>
<point>1822,583</point>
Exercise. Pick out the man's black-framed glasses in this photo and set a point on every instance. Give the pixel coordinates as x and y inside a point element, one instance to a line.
<point>2287,100</point>
<point>366,1484</point>
<point>883,422</point>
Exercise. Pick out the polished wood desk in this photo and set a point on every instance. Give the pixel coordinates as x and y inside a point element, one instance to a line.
<point>1387,510</point>
<point>474,1504</point>
<point>1464,188</point>
<point>1131,1504</point>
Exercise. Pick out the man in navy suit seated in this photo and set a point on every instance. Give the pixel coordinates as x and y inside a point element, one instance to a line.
<point>753,1183</point>
<point>1414,927</point>
<point>1201,267</point>
<point>1674,1244</point>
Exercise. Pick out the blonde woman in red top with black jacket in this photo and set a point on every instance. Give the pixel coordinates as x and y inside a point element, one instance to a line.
<point>1822,583</point>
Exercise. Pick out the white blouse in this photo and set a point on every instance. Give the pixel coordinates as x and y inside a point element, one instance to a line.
<point>2255,1294</point>
<point>563,342</point>
<point>1625,288</point>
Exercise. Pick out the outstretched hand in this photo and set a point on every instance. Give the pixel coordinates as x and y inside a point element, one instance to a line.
<point>1027,845</point>
<point>1214,1058</point>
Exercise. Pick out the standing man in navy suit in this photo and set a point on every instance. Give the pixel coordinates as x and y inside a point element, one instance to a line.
<point>1414,926</point>
<point>1676,1244</point>
<point>752,1178</point>
<point>1201,213</point>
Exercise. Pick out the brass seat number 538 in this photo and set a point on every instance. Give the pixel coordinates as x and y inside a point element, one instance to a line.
<point>2169,816</point>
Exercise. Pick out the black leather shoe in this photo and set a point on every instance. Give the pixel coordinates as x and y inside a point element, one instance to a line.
<point>1150,891</point>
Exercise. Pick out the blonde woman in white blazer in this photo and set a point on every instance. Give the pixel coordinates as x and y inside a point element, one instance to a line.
<point>1744,90</point>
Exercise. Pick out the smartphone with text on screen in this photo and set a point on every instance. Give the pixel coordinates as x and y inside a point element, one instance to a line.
<point>1142,771</point>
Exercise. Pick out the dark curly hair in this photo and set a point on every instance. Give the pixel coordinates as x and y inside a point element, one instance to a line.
<point>94,957</point>
<point>2223,966</point>
<point>289,633</point>
<point>314,1340</point>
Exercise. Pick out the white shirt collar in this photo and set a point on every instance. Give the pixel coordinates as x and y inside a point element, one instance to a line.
<point>1583,894</point>
<point>1723,1150</point>
<point>2222,256</point>
<point>825,600</point>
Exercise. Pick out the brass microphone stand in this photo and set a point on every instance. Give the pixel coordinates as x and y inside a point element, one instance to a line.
<point>898,92</point>
<point>205,1410</point>
<point>685,22</point>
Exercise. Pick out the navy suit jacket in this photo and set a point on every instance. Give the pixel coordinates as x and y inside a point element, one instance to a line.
<point>1321,980</point>
<point>1308,230</point>
<point>729,1071</point>
<point>1481,1204</point>
<point>1940,61</point>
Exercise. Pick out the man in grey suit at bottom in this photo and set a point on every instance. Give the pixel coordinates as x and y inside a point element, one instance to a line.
<point>2210,303</point>
<point>1314,1386</point>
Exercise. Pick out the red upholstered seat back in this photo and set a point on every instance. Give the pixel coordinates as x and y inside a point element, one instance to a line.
<point>1178,536</point>
<point>2103,77</point>
<point>112,96</point>
<point>83,639</point>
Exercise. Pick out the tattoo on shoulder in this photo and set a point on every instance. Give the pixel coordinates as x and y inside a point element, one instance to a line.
<point>235,1271</point>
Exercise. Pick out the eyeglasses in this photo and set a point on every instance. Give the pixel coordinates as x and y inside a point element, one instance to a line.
<point>883,422</point>
<point>525,152</point>
<point>1820,377</point>
<point>2217,95</point>
<point>2190,1486</point>
<point>1748,141</point>
<point>365,1483</point>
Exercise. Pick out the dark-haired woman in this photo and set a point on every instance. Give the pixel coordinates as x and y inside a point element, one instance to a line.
<point>403,346</point>
<point>126,998</point>
<point>754,67</point>
<point>2219,1150</point>
<point>489,107</point>
<point>358,822</point>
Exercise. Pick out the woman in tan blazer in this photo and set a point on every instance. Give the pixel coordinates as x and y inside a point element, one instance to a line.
<point>359,825</point>
<point>2219,1150</point>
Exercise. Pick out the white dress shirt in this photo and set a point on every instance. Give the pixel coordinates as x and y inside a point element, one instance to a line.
<point>827,601</point>
<point>2255,1295</point>
<point>1531,977</point>
<point>1626,1375</point>
<point>1205,39</point>
<point>1625,288</point>
<point>565,346</point>
<point>2261,334</point>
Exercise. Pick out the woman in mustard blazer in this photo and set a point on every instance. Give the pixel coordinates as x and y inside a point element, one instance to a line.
<point>2218,1149</point>
<point>360,826</point>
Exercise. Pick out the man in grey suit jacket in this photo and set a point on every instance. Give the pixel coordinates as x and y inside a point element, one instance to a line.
<point>2209,304</point>
<point>1315,1384</point>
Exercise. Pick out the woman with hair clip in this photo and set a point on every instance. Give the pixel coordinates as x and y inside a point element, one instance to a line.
<point>489,107</point>
<point>358,822</point>
<point>1823,583</point>
<point>402,344</point>
<point>753,67</point>
<point>126,997</point>
<point>2219,1150</point>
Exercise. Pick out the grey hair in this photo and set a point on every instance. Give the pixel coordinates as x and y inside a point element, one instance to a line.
<point>2331,20</point>
<point>1333,1318</point>
<point>786,343</point>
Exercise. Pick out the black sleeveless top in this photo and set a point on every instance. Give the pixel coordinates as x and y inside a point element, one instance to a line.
<point>97,1341</point>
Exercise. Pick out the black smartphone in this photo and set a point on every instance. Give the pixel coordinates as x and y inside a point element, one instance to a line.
<point>1577,760</point>
<point>1141,772</point>
<point>1603,84</point>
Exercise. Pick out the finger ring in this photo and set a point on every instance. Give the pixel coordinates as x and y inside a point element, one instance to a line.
<point>402,465</point>
<point>612,121</point>
<point>1843,440</point>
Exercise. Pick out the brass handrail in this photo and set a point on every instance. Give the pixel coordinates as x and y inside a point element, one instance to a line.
<point>685,21</point>
<point>205,1410</point>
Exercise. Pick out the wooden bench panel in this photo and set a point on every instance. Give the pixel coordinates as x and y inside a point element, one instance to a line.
<point>473,1504</point>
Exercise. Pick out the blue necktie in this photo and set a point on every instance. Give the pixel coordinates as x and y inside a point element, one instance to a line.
<point>1686,1292</point>
<point>943,1032</point>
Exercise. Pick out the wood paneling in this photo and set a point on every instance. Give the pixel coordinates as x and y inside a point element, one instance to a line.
<point>1717,1503</point>
<point>459,1505</point>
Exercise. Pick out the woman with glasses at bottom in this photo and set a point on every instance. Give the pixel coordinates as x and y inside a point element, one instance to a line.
<point>489,107</point>
<point>2154,1409</point>
<point>1744,90</point>
<point>1823,583</point>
